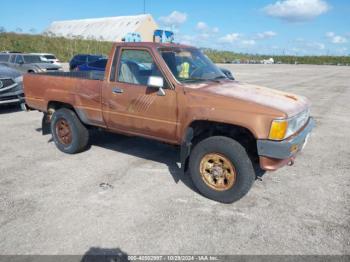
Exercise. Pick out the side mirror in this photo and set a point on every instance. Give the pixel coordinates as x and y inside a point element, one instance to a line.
<point>21,63</point>
<point>158,83</point>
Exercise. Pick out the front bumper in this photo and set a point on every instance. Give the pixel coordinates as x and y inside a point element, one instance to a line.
<point>274,154</point>
<point>11,97</point>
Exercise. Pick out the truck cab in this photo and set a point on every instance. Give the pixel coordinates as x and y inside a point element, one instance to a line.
<point>226,130</point>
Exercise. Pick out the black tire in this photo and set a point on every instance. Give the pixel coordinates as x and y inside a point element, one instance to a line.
<point>234,152</point>
<point>79,133</point>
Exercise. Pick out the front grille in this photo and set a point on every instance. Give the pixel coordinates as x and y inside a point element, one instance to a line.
<point>6,83</point>
<point>6,98</point>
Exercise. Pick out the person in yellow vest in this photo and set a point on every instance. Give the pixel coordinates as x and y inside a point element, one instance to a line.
<point>185,70</point>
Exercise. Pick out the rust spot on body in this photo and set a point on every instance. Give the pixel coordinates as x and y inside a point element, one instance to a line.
<point>141,104</point>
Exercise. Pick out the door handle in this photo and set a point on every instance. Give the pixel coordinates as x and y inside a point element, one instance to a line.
<point>117,90</point>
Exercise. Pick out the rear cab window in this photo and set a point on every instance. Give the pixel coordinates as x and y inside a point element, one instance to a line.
<point>114,66</point>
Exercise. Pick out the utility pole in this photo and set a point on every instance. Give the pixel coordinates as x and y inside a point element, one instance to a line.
<point>144,6</point>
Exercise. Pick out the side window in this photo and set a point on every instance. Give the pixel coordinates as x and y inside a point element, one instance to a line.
<point>136,66</point>
<point>19,59</point>
<point>81,58</point>
<point>4,58</point>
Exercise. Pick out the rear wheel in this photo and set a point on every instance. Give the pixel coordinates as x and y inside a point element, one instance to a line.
<point>221,169</point>
<point>69,134</point>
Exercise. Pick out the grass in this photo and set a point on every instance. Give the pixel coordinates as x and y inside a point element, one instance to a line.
<point>227,56</point>
<point>65,49</point>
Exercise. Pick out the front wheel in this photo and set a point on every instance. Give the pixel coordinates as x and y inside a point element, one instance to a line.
<point>221,169</point>
<point>69,134</point>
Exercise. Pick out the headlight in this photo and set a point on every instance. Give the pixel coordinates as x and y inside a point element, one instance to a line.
<point>284,128</point>
<point>18,79</point>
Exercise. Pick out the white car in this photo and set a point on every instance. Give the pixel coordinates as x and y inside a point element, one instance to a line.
<point>50,58</point>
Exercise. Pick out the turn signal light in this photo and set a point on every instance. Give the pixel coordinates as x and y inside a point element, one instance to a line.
<point>278,129</point>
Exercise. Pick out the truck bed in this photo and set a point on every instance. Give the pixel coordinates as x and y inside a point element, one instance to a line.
<point>81,89</point>
<point>90,75</point>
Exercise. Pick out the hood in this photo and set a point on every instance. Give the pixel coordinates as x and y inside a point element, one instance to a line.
<point>288,103</point>
<point>7,72</point>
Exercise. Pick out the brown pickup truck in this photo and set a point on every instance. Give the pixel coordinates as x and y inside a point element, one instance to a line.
<point>226,130</point>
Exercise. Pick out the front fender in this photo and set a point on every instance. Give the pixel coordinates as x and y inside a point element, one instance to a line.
<point>258,125</point>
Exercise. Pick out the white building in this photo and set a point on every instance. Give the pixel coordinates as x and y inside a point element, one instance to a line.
<point>111,29</point>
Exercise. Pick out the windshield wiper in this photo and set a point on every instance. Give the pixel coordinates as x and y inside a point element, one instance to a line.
<point>216,79</point>
<point>193,80</point>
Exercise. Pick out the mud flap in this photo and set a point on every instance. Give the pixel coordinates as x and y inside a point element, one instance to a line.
<point>186,148</point>
<point>45,125</point>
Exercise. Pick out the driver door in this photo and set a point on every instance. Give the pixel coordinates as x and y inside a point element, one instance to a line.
<point>129,105</point>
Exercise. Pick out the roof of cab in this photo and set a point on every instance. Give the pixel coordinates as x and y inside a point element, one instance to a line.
<point>151,44</point>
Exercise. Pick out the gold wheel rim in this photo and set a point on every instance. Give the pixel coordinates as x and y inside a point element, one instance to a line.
<point>217,172</point>
<point>64,132</point>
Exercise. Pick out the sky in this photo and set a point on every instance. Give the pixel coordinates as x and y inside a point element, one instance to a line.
<point>295,27</point>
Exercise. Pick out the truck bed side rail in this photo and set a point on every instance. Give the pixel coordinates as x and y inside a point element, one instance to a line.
<point>90,75</point>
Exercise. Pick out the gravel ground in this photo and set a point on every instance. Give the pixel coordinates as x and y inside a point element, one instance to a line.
<point>127,193</point>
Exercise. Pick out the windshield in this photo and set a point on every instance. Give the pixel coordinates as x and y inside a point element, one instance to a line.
<point>30,59</point>
<point>190,65</point>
